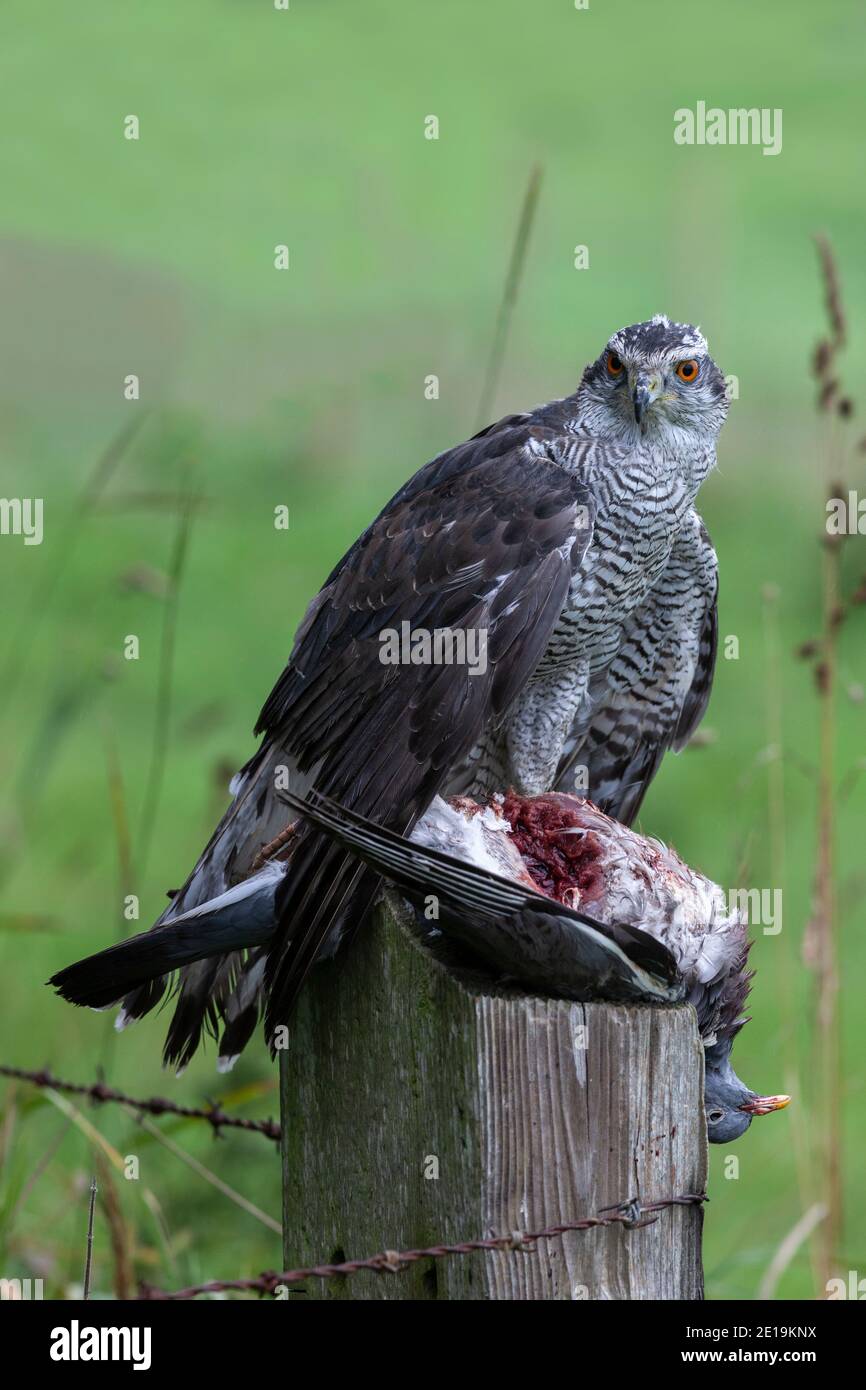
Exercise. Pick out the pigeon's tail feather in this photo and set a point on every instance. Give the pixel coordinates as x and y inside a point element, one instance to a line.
<point>136,964</point>
<point>520,932</point>
<point>205,939</point>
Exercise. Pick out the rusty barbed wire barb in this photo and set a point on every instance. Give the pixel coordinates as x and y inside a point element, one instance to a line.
<point>633,1212</point>
<point>155,1105</point>
<point>624,1214</point>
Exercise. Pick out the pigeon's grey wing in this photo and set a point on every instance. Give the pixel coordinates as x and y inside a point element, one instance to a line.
<point>655,691</point>
<point>484,543</point>
<point>515,931</point>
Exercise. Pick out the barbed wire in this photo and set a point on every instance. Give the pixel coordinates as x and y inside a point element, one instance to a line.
<point>629,1214</point>
<point>156,1105</point>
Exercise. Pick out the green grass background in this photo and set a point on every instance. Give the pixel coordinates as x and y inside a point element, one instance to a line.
<point>305,388</point>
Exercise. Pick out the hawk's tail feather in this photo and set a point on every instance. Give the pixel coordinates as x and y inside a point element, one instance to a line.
<point>205,987</point>
<point>326,891</point>
<point>241,1009</point>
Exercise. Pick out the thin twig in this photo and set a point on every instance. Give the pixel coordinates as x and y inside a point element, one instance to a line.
<point>173,502</point>
<point>118,1232</point>
<point>202,1171</point>
<point>119,816</point>
<point>778,875</point>
<point>88,1263</point>
<point>832,290</point>
<point>118,1163</point>
<point>509,295</point>
<point>162,718</point>
<point>39,1169</point>
<point>629,1214</point>
<point>215,1117</point>
<point>23,634</point>
<point>820,945</point>
<point>788,1249</point>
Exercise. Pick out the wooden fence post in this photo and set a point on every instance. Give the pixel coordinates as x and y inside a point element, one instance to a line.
<point>417,1110</point>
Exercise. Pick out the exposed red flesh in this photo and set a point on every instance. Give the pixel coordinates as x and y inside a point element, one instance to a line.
<point>559,863</point>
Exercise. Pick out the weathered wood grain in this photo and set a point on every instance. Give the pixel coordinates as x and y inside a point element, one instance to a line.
<point>417,1109</point>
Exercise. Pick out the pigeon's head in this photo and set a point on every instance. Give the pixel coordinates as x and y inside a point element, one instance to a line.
<point>655,382</point>
<point>730,1106</point>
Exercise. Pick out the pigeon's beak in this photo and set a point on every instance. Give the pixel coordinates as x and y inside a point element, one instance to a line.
<point>645,388</point>
<point>765,1105</point>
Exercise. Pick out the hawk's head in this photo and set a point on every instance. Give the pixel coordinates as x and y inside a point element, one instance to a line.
<point>654,380</point>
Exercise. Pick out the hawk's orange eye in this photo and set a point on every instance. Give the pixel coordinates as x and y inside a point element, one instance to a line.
<point>688,370</point>
<point>614,364</point>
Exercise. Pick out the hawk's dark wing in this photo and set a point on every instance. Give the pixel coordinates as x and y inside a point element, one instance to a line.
<point>484,540</point>
<point>653,695</point>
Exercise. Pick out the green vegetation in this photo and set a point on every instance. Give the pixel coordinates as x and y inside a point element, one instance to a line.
<point>305,388</point>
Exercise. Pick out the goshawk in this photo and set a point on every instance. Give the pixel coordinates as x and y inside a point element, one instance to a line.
<point>566,542</point>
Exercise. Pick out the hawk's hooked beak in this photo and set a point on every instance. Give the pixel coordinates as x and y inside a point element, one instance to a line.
<point>645,389</point>
<point>765,1105</point>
